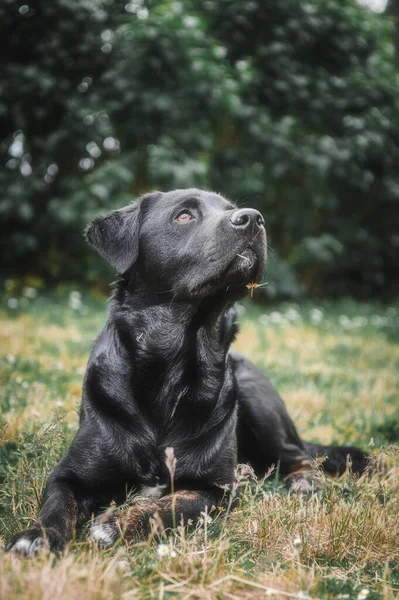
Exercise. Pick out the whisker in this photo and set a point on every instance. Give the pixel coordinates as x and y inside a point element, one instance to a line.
<point>244,257</point>
<point>259,230</point>
<point>171,302</point>
<point>271,251</point>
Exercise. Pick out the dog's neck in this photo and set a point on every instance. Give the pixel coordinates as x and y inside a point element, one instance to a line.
<point>175,345</point>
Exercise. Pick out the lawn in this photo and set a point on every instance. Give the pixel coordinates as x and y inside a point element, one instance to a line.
<point>337,367</point>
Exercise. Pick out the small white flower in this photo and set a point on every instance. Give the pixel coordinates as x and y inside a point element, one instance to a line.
<point>25,384</point>
<point>12,303</point>
<point>316,316</point>
<point>173,554</point>
<point>363,594</point>
<point>344,321</point>
<point>206,518</point>
<point>360,322</point>
<point>297,541</point>
<point>276,317</point>
<point>29,292</point>
<point>163,550</point>
<point>75,300</point>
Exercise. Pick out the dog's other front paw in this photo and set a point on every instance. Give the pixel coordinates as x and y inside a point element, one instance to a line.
<point>303,484</point>
<point>303,478</point>
<point>105,531</point>
<point>28,543</point>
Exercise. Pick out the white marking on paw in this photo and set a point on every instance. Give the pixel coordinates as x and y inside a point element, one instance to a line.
<point>28,547</point>
<point>155,492</point>
<point>104,534</point>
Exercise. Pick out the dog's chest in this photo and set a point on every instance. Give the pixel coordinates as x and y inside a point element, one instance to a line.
<point>154,492</point>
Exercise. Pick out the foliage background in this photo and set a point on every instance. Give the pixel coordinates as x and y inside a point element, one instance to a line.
<point>291,107</point>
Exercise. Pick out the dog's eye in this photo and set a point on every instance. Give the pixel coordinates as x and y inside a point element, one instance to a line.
<point>184,216</point>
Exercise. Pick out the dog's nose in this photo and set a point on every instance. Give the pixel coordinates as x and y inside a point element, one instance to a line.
<point>244,217</point>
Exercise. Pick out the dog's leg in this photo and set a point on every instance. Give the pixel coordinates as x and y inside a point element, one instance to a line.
<point>266,434</point>
<point>62,509</point>
<point>81,482</point>
<point>172,510</point>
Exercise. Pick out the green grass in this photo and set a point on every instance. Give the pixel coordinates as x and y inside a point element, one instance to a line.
<point>336,365</point>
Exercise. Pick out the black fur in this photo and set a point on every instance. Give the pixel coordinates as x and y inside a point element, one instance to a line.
<point>161,375</point>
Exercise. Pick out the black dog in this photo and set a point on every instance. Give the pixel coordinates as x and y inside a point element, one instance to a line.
<point>161,375</point>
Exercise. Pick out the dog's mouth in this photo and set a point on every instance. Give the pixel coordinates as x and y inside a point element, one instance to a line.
<point>247,260</point>
<point>246,267</point>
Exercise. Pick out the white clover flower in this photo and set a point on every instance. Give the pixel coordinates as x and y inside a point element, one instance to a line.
<point>276,317</point>
<point>297,541</point>
<point>293,315</point>
<point>344,321</point>
<point>163,550</point>
<point>29,292</point>
<point>206,518</point>
<point>75,300</point>
<point>316,316</point>
<point>360,322</point>
<point>12,303</point>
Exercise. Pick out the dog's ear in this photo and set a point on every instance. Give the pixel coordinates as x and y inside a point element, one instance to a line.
<point>116,236</point>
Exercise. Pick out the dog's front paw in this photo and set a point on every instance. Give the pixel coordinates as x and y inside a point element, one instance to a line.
<point>105,531</point>
<point>28,543</point>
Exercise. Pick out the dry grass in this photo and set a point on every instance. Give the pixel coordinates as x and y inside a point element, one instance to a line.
<point>340,384</point>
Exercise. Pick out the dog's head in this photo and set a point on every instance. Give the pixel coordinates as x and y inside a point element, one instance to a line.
<point>191,243</point>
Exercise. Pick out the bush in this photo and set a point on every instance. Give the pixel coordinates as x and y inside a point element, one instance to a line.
<point>291,107</point>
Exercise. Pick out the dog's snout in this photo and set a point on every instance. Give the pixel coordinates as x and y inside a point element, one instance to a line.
<point>244,217</point>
